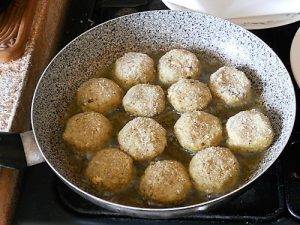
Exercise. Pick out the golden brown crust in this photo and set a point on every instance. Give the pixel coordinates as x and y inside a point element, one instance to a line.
<point>176,64</point>
<point>110,169</point>
<point>187,95</point>
<point>198,130</point>
<point>165,182</point>
<point>134,68</point>
<point>143,138</point>
<point>100,95</point>
<point>144,100</point>
<point>88,131</point>
<point>249,131</point>
<point>231,86</point>
<point>214,170</point>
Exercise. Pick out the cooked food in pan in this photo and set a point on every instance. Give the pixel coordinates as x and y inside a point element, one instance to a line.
<point>198,130</point>
<point>143,138</point>
<point>87,132</point>
<point>134,68</point>
<point>110,169</point>
<point>187,95</point>
<point>99,95</point>
<point>199,143</point>
<point>214,170</point>
<point>144,100</point>
<point>249,131</point>
<point>176,64</point>
<point>165,182</point>
<point>231,86</point>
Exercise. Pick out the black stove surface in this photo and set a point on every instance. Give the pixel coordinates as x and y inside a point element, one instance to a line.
<point>273,199</point>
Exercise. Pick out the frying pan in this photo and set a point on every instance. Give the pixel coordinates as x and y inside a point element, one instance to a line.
<point>213,39</point>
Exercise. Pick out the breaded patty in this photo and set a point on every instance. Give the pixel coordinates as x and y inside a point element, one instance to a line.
<point>214,170</point>
<point>165,182</point>
<point>100,95</point>
<point>249,131</point>
<point>88,131</point>
<point>110,169</point>
<point>134,68</point>
<point>188,95</point>
<point>231,86</point>
<point>176,64</point>
<point>144,100</point>
<point>143,138</point>
<point>197,130</point>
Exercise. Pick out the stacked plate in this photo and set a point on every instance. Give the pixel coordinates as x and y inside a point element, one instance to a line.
<point>256,14</point>
<point>295,57</point>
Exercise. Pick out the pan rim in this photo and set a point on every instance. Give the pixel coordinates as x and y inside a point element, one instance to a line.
<point>127,208</point>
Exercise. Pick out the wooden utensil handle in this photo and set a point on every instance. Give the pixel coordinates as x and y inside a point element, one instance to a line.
<point>15,26</point>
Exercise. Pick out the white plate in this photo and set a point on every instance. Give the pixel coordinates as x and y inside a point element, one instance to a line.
<point>252,23</point>
<point>295,57</point>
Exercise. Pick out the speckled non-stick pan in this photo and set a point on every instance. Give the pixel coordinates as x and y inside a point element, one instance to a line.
<point>213,39</point>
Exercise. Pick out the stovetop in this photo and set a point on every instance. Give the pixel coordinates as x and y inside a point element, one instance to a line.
<point>273,199</point>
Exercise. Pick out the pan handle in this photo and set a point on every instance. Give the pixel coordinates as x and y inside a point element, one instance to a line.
<point>19,150</point>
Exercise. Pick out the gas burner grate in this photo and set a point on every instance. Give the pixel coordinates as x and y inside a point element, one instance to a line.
<point>264,201</point>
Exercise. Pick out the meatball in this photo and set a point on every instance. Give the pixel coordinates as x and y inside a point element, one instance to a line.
<point>214,170</point>
<point>176,64</point>
<point>100,95</point>
<point>144,100</point>
<point>165,182</point>
<point>231,86</point>
<point>134,68</point>
<point>142,138</point>
<point>110,169</point>
<point>188,95</point>
<point>87,131</point>
<point>197,130</point>
<point>249,131</point>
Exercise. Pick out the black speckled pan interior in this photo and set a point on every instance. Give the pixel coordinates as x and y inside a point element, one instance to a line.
<point>213,39</point>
